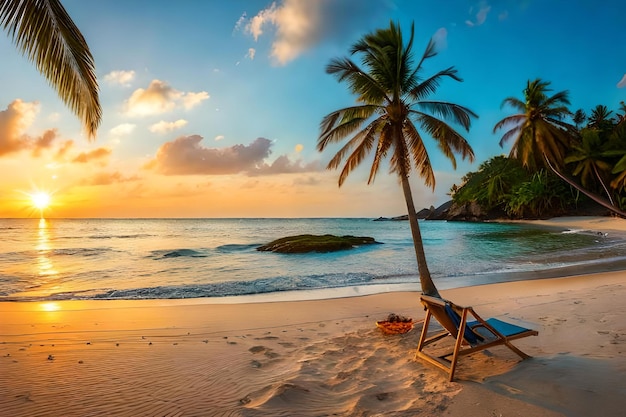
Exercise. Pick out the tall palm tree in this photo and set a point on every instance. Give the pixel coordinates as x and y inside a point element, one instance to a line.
<point>44,32</point>
<point>539,130</point>
<point>391,98</point>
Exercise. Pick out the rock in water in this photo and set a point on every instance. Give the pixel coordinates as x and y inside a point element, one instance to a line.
<point>315,243</point>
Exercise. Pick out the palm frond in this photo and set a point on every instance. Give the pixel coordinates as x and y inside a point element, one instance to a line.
<point>449,111</point>
<point>429,86</point>
<point>385,142</point>
<point>342,123</point>
<point>449,140</point>
<point>419,155</point>
<point>47,36</point>
<point>361,148</point>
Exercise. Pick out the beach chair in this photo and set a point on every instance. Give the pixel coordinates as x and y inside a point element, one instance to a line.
<point>471,336</point>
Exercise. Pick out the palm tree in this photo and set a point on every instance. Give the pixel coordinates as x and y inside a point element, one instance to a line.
<point>579,118</point>
<point>590,158</point>
<point>600,118</point>
<point>391,98</point>
<point>44,32</point>
<point>540,133</point>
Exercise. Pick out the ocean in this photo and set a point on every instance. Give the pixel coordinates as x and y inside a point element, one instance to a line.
<point>216,259</point>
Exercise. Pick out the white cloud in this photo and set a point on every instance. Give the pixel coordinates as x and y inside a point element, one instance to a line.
<point>219,137</point>
<point>120,77</point>
<point>165,127</point>
<point>191,100</point>
<point>441,38</point>
<point>123,129</point>
<point>481,15</point>
<point>299,25</point>
<point>622,82</point>
<point>160,98</point>
<point>251,53</point>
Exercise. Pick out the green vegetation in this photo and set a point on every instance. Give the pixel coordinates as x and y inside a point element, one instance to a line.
<point>314,243</point>
<point>552,162</point>
<point>392,96</point>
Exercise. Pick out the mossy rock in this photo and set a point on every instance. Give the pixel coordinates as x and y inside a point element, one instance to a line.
<point>315,243</point>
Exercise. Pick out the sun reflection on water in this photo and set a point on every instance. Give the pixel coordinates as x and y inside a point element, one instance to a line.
<point>44,264</point>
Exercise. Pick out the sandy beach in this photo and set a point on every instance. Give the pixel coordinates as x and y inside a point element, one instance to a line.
<point>317,357</point>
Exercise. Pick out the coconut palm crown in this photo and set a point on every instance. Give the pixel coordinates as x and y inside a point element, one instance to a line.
<point>539,128</point>
<point>46,35</point>
<point>391,104</point>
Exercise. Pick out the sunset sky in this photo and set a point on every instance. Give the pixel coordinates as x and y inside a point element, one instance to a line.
<point>212,108</point>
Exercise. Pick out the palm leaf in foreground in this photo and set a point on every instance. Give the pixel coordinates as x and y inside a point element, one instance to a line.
<point>46,34</point>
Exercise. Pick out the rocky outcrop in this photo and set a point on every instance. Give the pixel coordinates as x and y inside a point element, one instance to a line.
<point>315,243</point>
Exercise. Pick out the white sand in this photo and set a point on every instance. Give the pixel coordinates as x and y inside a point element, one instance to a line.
<point>314,358</point>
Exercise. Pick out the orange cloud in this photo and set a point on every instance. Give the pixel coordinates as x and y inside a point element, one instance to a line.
<point>160,98</point>
<point>14,121</point>
<point>107,178</point>
<point>44,142</point>
<point>85,157</point>
<point>186,156</point>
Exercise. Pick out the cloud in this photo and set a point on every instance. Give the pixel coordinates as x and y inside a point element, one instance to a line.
<point>123,129</point>
<point>186,156</point>
<point>63,149</point>
<point>107,178</point>
<point>160,98</point>
<point>441,38</point>
<point>14,121</point>
<point>283,165</point>
<point>251,53</point>
<point>622,82</point>
<point>165,127</point>
<point>122,78</point>
<point>299,25</point>
<point>481,15</point>
<point>219,137</point>
<point>503,16</point>
<point>191,100</point>
<point>240,22</point>
<point>96,154</point>
<point>44,142</point>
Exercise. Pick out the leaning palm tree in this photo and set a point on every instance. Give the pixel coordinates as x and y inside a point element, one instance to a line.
<point>541,135</point>
<point>391,96</point>
<point>45,33</point>
<point>589,155</point>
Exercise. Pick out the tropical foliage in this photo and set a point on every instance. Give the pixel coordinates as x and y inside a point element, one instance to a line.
<point>552,162</point>
<point>44,32</point>
<point>393,118</point>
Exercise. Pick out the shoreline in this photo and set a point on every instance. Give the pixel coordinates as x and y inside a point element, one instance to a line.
<point>317,357</point>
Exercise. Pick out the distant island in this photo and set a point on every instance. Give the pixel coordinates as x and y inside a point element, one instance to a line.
<point>315,243</point>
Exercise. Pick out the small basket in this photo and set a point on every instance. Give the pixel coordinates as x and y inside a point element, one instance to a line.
<point>395,327</point>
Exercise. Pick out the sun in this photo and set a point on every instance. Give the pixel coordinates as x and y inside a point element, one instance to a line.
<point>41,200</point>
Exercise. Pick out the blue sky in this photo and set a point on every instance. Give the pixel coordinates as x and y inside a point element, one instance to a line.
<point>212,108</point>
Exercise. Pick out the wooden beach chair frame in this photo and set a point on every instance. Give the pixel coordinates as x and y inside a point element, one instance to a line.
<point>470,336</point>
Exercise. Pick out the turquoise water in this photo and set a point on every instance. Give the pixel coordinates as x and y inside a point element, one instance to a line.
<point>187,258</point>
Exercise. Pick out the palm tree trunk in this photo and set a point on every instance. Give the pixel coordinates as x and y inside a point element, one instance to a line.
<point>606,190</point>
<point>589,194</point>
<point>428,286</point>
